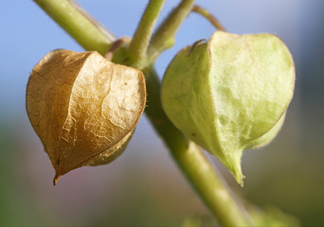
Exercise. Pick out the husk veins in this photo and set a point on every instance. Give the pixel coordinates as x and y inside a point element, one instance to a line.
<point>83,107</point>
<point>230,94</point>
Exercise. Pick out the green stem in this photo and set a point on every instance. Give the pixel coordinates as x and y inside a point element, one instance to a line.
<point>203,12</point>
<point>164,37</point>
<point>208,184</point>
<point>198,170</point>
<point>142,36</point>
<point>75,21</point>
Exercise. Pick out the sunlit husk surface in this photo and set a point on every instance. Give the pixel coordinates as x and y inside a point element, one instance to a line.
<point>230,93</point>
<point>83,107</point>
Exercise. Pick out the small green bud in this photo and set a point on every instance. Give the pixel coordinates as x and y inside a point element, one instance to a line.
<point>230,94</point>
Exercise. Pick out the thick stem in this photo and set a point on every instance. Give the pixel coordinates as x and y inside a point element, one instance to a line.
<point>81,26</point>
<point>142,36</point>
<point>208,16</point>
<point>200,173</point>
<point>164,37</point>
<point>198,170</point>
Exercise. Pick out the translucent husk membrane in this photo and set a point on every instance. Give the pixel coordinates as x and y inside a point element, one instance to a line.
<point>83,107</point>
<point>230,94</point>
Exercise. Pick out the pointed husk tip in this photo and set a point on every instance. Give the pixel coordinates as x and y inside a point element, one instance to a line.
<point>234,166</point>
<point>56,178</point>
<point>239,179</point>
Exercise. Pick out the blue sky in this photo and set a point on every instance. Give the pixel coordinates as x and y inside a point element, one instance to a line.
<point>27,33</point>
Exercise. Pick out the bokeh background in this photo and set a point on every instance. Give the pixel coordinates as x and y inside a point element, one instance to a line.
<point>143,187</point>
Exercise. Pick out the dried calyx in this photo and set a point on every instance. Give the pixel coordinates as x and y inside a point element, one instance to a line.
<point>230,94</point>
<point>83,107</point>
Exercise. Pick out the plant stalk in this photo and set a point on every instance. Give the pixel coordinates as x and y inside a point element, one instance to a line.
<point>79,24</point>
<point>143,33</point>
<point>191,160</point>
<point>164,37</point>
<point>213,20</point>
<point>208,184</point>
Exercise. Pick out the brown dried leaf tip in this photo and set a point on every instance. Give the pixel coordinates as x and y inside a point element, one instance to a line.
<point>83,107</point>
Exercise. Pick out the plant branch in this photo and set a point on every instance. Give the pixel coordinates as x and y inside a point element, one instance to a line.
<point>200,173</point>
<point>79,24</point>
<point>191,160</point>
<point>142,36</point>
<point>164,37</point>
<point>208,16</point>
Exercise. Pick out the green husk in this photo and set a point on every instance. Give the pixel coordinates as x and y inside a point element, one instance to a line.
<point>230,94</point>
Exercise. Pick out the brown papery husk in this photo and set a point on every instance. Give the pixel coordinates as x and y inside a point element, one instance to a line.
<point>83,107</point>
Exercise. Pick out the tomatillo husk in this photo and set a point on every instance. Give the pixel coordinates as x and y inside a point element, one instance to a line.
<point>230,94</point>
<point>83,107</point>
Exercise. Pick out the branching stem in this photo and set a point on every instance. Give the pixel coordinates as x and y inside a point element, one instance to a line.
<point>164,37</point>
<point>205,180</point>
<point>208,16</point>
<point>79,24</point>
<point>142,36</point>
